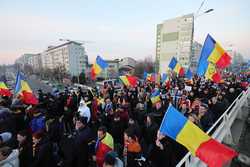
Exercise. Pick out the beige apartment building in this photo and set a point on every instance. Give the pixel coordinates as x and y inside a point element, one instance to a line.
<point>174,38</point>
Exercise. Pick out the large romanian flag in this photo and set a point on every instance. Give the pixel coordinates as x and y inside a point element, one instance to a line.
<point>103,147</point>
<point>4,91</point>
<point>129,80</point>
<point>23,89</point>
<point>179,128</point>
<point>217,55</point>
<point>212,52</point>
<point>176,67</point>
<point>98,66</point>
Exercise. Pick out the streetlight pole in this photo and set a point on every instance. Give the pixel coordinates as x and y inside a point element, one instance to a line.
<point>205,12</point>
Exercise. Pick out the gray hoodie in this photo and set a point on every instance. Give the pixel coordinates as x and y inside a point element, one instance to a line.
<point>118,163</point>
<point>12,160</point>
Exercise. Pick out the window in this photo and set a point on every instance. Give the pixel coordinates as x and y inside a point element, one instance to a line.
<point>173,36</point>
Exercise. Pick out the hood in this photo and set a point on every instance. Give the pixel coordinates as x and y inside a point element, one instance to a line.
<point>12,159</point>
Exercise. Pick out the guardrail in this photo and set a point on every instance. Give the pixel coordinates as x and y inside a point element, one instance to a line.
<point>220,129</point>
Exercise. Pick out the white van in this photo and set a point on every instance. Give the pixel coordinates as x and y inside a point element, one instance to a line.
<point>115,82</point>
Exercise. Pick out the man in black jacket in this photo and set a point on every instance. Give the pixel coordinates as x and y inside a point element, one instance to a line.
<point>25,149</point>
<point>81,141</point>
<point>42,151</point>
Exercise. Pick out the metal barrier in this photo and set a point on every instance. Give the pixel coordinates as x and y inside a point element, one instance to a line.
<point>221,128</point>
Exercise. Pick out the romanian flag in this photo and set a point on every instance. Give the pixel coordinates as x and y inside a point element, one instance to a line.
<point>102,147</point>
<point>129,80</point>
<point>98,66</point>
<point>179,128</point>
<point>22,88</point>
<point>176,67</point>
<point>217,55</point>
<point>189,74</point>
<point>149,77</point>
<point>4,91</point>
<point>155,97</point>
<point>212,73</point>
<point>212,52</point>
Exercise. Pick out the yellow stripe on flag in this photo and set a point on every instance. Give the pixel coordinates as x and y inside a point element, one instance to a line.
<point>211,70</point>
<point>97,69</point>
<point>155,99</point>
<point>25,86</point>
<point>216,54</point>
<point>108,140</point>
<point>3,86</point>
<point>177,68</point>
<point>124,80</point>
<point>191,137</point>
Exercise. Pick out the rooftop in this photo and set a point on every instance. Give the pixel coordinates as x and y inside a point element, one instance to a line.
<point>58,46</point>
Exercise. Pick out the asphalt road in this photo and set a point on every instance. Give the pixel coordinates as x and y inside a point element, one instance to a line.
<point>36,84</point>
<point>33,82</point>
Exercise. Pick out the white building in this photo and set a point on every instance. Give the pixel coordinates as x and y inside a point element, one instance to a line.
<point>71,55</point>
<point>34,60</point>
<point>195,56</point>
<point>174,38</point>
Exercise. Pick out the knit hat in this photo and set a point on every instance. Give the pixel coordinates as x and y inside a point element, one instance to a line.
<point>5,136</point>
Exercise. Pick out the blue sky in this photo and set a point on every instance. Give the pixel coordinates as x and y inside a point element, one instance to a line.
<point>117,28</point>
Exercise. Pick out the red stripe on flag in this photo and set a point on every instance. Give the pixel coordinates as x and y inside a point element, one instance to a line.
<point>216,77</point>
<point>182,71</point>
<point>93,75</point>
<point>29,98</point>
<point>5,92</point>
<point>224,61</point>
<point>132,80</point>
<point>215,154</point>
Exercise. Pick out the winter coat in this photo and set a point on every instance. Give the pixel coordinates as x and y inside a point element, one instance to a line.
<point>132,151</point>
<point>43,154</point>
<point>54,130</point>
<point>25,154</point>
<point>150,133</point>
<point>81,149</point>
<point>12,160</point>
<point>37,123</point>
<point>162,157</point>
<point>207,120</point>
<point>117,129</point>
<point>84,112</point>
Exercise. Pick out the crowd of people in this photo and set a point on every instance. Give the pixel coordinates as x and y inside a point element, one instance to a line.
<point>108,127</point>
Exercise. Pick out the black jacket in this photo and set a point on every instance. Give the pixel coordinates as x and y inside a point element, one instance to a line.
<point>25,154</point>
<point>117,129</point>
<point>43,154</point>
<point>81,149</point>
<point>150,133</point>
<point>163,157</point>
<point>207,120</point>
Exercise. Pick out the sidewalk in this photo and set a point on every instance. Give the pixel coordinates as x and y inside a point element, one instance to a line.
<point>244,143</point>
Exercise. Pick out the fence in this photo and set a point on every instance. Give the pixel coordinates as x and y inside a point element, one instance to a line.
<point>221,130</point>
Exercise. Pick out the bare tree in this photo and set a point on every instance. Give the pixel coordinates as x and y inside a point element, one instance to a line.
<point>146,65</point>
